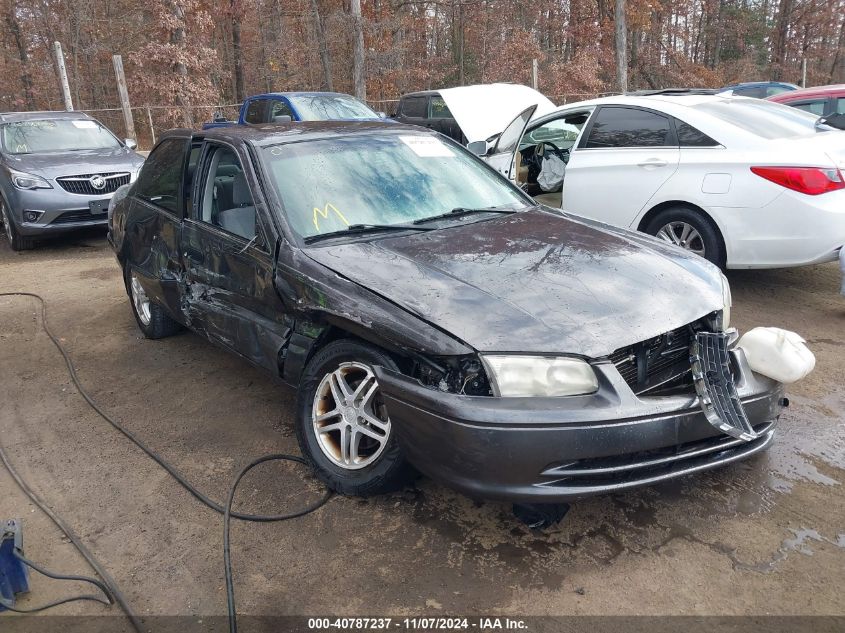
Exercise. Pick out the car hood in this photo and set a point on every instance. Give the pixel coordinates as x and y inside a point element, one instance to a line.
<point>535,281</point>
<point>54,164</point>
<point>484,110</point>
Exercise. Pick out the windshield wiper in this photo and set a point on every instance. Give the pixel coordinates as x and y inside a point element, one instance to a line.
<point>463,211</point>
<point>364,228</point>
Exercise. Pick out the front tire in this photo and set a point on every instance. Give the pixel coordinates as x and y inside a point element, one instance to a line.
<point>691,230</point>
<point>152,320</point>
<point>342,424</point>
<point>17,241</point>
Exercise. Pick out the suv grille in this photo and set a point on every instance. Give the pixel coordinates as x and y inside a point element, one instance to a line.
<point>81,184</point>
<point>661,362</point>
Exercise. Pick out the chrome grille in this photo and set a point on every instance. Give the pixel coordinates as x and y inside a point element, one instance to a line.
<point>81,183</point>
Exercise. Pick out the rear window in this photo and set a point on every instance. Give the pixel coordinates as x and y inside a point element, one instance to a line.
<point>762,118</point>
<point>629,127</point>
<point>414,107</point>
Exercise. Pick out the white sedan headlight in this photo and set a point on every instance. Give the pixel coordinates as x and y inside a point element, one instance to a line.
<point>520,376</point>
<point>726,303</point>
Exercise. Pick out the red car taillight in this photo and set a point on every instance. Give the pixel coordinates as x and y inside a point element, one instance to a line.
<point>809,180</point>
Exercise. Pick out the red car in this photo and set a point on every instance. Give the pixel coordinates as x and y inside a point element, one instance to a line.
<point>821,100</point>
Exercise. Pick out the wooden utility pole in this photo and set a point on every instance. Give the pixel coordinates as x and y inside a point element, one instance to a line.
<point>535,72</point>
<point>358,82</point>
<point>60,66</point>
<point>123,94</point>
<point>621,47</point>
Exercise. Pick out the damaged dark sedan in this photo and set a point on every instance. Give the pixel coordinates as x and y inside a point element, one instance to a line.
<point>432,317</point>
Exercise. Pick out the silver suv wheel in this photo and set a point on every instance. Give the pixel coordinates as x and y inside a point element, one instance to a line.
<point>140,300</point>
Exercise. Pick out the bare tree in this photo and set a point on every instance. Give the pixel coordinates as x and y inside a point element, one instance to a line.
<point>236,14</point>
<point>15,30</point>
<point>325,60</point>
<point>358,81</point>
<point>621,47</point>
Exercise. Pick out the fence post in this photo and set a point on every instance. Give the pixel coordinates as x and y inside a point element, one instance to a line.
<point>152,129</point>
<point>60,64</point>
<point>123,94</point>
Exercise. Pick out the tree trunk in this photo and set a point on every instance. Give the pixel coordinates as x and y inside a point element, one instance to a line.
<point>23,54</point>
<point>358,81</point>
<point>325,60</point>
<point>237,58</point>
<point>177,37</point>
<point>621,47</point>
<point>780,38</point>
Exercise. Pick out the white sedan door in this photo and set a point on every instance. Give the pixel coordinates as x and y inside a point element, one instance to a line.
<point>623,158</point>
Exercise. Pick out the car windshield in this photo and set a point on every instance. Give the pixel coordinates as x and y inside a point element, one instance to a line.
<point>762,118</point>
<point>56,135</point>
<point>329,185</point>
<point>331,107</point>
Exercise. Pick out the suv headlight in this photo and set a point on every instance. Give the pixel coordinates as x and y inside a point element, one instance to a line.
<point>726,303</point>
<point>22,180</point>
<point>520,376</point>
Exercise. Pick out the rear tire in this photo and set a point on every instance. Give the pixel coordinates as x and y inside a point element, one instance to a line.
<point>17,241</point>
<point>690,230</point>
<point>351,411</point>
<point>152,320</point>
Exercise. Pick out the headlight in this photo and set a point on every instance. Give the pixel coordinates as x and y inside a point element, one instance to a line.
<point>726,303</point>
<point>28,181</point>
<point>518,376</point>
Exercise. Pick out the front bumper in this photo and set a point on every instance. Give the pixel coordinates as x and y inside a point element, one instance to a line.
<point>547,450</point>
<point>59,210</point>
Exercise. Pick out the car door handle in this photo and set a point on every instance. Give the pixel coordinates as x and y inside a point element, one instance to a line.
<point>653,162</point>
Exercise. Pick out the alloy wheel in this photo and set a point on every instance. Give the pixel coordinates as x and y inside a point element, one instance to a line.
<point>684,235</point>
<point>140,300</point>
<point>349,418</point>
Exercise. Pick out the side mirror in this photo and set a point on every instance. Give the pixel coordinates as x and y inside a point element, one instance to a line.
<point>282,118</point>
<point>130,143</point>
<point>479,148</point>
<point>382,115</point>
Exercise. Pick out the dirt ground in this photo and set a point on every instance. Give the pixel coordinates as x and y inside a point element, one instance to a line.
<point>762,537</point>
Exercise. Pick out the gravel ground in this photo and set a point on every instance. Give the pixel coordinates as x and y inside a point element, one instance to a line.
<point>765,536</point>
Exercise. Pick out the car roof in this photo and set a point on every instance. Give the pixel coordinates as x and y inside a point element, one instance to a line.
<point>11,117</point>
<point>815,91</point>
<point>300,94</point>
<point>276,133</point>
<point>755,84</point>
<point>420,93</point>
<point>654,100</point>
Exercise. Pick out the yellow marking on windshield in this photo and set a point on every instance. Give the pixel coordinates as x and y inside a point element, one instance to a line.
<point>325,214</point>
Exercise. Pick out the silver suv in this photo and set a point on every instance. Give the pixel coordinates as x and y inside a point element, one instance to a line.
<point>58,171</point>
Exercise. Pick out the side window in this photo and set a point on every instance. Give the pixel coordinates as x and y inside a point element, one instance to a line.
<point>279,108</point>
<point>161,174</point>
<point>771,91</point>
<point>815,107</point>
<point>226,198</point>
<point>688,136</point>
<point>438,109</point>
<point>758,92</point>
<point>255,111</point>
<point>840,106</point>
<point>414,107</point>
<point>629,127</point>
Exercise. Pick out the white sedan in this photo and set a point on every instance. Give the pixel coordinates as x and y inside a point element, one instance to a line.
<point>743,182</point>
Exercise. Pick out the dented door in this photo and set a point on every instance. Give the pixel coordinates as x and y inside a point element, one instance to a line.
<point>229,289</point>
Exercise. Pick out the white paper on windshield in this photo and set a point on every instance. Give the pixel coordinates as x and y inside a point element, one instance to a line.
<point>426,146</point>
<point>84,125</point>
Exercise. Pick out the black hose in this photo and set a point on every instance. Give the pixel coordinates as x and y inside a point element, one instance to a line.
<point>113,592</point>
<point>226,510</point>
